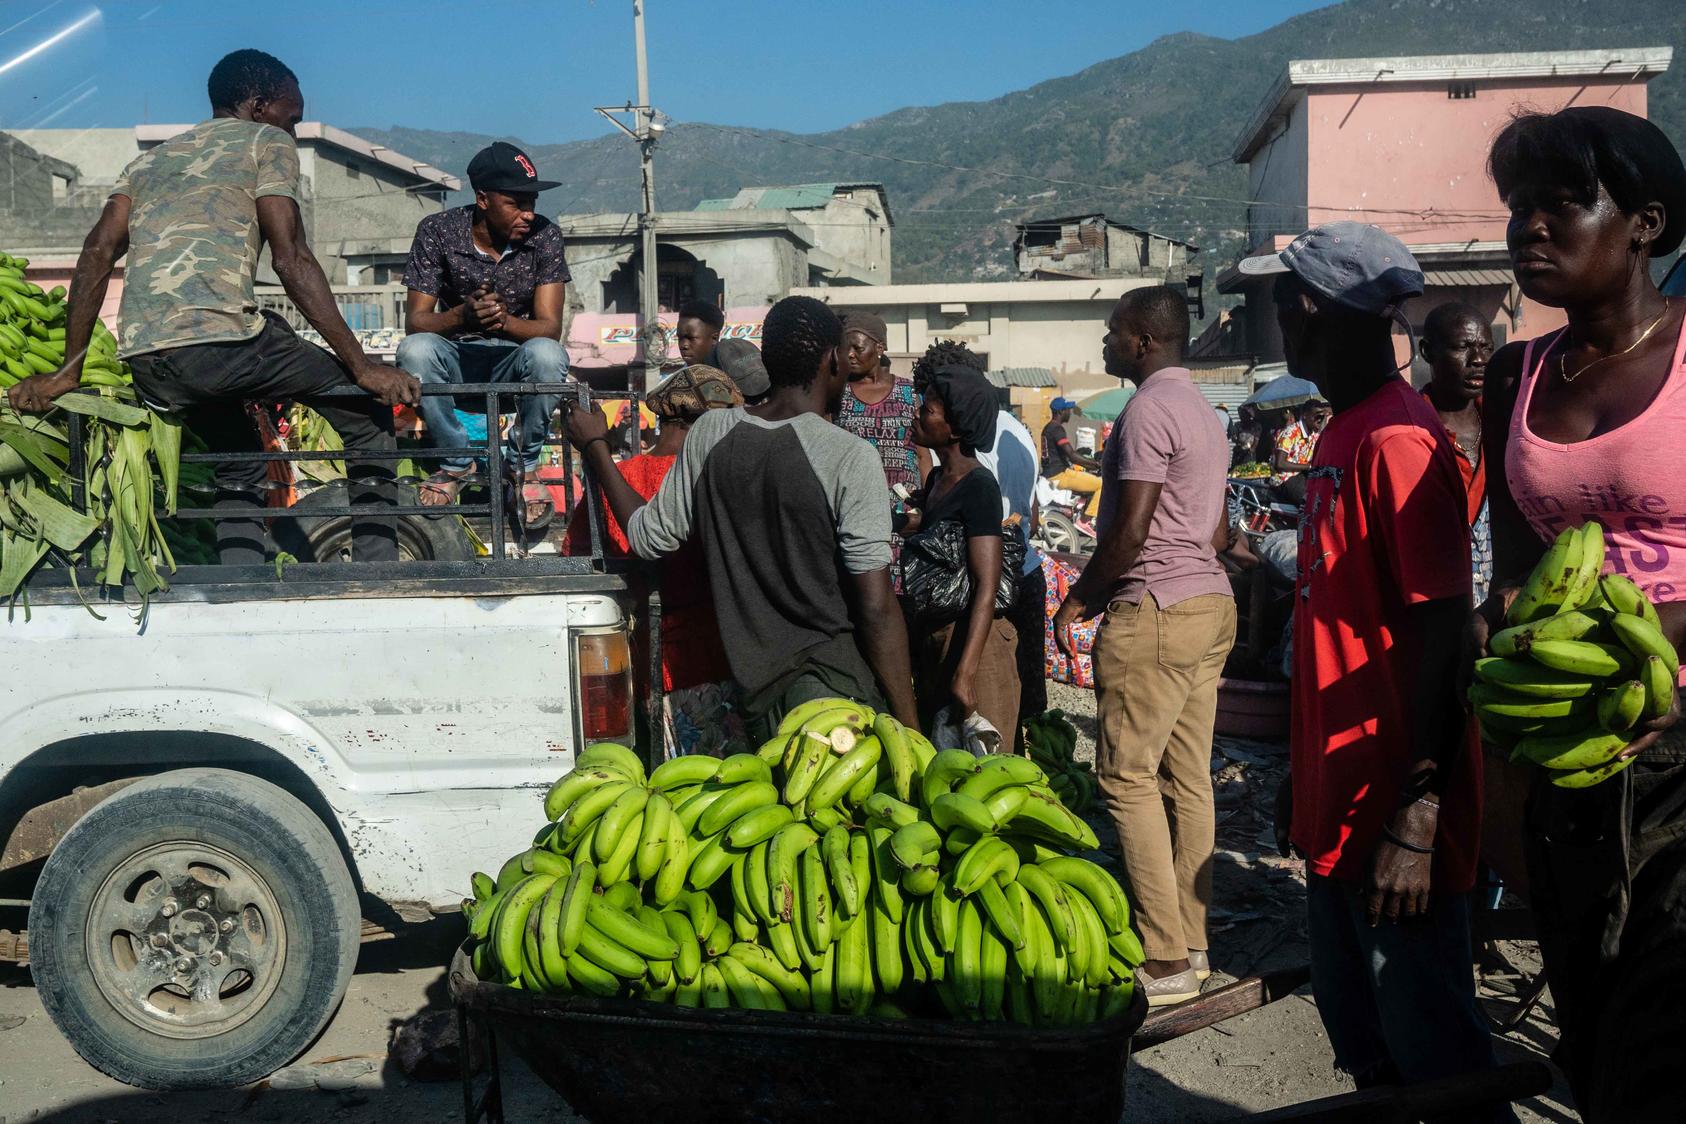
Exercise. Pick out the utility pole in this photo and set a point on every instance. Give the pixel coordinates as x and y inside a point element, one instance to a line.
<point>655,342</point>
<point>647,128</point>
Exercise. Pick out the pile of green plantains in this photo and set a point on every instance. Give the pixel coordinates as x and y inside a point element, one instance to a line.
<point>846,867</point>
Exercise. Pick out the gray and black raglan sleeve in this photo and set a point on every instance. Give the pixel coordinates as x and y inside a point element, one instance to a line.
<point>853,476</point>
<point>661,526</point>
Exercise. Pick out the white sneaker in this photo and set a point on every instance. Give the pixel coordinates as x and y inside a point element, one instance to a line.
<point>1201,964</point>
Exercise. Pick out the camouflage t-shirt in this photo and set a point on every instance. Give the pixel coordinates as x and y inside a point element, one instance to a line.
<point>193,233</point>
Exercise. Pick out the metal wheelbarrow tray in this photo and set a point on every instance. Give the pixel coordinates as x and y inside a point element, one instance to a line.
<point>631,1060</point>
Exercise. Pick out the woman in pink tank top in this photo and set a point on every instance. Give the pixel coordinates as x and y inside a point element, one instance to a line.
<point>1587,423</point>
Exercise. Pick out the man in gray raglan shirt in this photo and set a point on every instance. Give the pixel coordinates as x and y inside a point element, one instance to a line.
<point>794,521</point>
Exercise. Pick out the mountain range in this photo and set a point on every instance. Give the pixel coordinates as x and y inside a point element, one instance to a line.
<point>1144,137</point>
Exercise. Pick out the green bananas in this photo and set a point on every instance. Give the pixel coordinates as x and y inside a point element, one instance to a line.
<point>1051,742</point>
<point>1582,664</point>
<point>899,881</point>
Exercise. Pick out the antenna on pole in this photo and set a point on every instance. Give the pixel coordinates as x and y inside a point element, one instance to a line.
<point>646,129</point>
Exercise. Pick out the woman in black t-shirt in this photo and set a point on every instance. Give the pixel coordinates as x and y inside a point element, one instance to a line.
<point>968,663</point>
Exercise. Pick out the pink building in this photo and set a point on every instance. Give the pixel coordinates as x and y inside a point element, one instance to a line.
<point>1402,143</point>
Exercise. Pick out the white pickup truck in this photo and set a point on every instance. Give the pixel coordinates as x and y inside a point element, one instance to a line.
<point>203,814</point>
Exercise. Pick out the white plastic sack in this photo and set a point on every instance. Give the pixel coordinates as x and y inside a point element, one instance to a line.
<point>976,735</point>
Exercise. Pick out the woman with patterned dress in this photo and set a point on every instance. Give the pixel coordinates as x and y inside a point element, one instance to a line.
<point>880,408</point>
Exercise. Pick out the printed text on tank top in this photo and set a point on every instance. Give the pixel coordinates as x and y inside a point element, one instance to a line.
<point>1629,476</point>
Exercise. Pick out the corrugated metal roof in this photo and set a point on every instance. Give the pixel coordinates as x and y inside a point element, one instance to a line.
<point>1022,376</point>
<point>1225,394</point>
<point>794,197</point>
<point>1461,278</point>
<point>791,197</point>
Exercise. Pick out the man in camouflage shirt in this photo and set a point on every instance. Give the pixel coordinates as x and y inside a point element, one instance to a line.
<point>193,215</point>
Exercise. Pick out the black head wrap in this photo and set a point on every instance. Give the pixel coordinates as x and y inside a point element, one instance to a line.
<point>970,403</point>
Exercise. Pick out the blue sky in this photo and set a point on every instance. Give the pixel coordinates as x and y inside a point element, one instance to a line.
<point>534,68</point>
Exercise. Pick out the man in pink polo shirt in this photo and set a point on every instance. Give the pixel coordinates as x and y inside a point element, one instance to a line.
<point>1170,623</point>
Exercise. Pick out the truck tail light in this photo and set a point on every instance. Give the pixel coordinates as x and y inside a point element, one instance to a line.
<point>604,667</point>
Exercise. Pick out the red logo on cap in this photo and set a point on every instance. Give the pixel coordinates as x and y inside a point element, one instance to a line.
<point>522,160</point>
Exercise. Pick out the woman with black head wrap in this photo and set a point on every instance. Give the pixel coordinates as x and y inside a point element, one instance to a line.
<point>1578,425</point>
<point>968,662</point>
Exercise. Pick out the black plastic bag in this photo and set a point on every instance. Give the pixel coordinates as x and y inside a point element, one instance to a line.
<point>937,580</point>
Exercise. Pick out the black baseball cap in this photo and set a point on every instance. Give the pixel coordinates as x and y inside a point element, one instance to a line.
<point>500,166</point>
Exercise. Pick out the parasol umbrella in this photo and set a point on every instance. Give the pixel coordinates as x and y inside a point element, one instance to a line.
<point>1283,391</point>
<point>1108,404</point>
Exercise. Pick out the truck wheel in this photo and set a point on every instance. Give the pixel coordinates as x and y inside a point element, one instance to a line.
<point>327,538</point>
<point>194,931</point>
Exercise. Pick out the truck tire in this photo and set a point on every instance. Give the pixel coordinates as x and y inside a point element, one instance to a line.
<point>194,931</point>
<point>327,538</point>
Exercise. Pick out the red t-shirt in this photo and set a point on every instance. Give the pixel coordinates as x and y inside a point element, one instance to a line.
<point>1383,528</point>
<point>691,650</point>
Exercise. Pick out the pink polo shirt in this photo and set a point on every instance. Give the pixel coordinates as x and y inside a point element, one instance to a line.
<point>1170,435</point>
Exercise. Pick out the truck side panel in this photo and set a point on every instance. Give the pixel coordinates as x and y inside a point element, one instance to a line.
<point>431,725</point>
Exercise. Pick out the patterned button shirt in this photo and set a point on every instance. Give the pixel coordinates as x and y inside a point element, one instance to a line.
<point>445,262</point>
<point>193,233</point>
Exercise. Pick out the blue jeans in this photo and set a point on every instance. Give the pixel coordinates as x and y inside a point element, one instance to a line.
<point>437,360</point>
<point>1398,1000</point>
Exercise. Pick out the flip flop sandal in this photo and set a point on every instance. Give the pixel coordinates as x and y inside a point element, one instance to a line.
<point>537,499</point>
<point>442,483</point>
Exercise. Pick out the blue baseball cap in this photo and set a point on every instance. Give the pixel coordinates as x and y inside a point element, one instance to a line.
<point>1059,404</point>
<point>1354,264</point>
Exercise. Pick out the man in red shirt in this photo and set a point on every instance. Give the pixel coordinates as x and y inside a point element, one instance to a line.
<point>1385,794</point>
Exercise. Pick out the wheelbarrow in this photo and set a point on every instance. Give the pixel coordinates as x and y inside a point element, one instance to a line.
<point>627,1060</point>
<point>630,1060</point>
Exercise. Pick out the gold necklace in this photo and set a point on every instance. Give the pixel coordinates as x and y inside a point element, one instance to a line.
<point>1563,355</point>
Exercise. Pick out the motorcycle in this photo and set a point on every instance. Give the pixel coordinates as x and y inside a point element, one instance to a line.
<point>1254,508</point>
<point>1063,526</point>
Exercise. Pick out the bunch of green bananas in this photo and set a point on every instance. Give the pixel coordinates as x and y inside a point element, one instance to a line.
<point>846,867</point>
<point>32,333</point>
<point>1582,661</point>
<point>1051,742</point>
<point>130,456</point>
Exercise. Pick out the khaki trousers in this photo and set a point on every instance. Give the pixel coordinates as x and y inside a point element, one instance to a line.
<point>1156,686</point>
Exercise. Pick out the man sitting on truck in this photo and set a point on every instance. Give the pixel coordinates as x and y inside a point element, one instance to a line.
<point>487,283</point>
<point>193,214</point>
<point>794,525</point>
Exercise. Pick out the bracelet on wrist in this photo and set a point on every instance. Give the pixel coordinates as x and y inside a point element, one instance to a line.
<point>1388,834</point>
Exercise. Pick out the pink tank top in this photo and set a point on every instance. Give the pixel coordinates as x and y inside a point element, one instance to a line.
<point>1632,479</point>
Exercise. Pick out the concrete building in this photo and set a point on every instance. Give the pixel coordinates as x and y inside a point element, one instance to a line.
<point>850,222</point>
<point>362,200</point>
<point>1402,143</point>
<point>725,258</point>
<point>1091,246</point>
<point>748,250</point>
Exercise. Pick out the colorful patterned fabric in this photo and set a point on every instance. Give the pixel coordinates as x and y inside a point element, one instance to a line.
<point>705,719</point>
<point>888,427</point>
<point>1078,670</point>
<point>193,233</point>
<point>1298,444</point>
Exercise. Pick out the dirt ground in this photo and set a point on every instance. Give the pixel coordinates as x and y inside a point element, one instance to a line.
<point>1269,1058</point>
